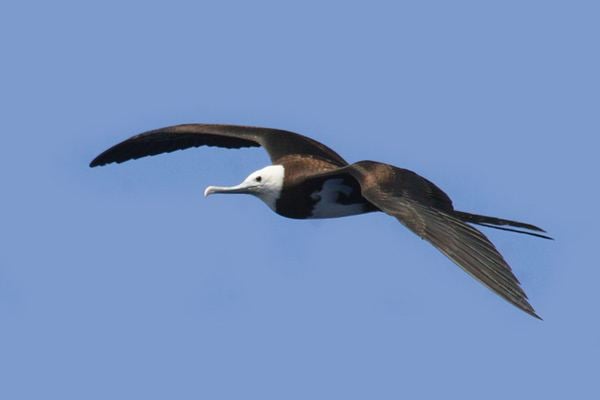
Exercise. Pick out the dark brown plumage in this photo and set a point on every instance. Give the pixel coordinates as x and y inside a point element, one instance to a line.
<point>316,178</point>
<point>277,143</point>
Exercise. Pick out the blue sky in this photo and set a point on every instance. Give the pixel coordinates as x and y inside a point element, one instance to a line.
<point>124,282</point>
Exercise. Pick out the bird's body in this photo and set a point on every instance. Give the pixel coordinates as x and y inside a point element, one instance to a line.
<point>309,180</point>
<point>305,196</point>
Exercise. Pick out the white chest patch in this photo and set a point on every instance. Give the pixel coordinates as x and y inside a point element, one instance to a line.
<point>326,201</point>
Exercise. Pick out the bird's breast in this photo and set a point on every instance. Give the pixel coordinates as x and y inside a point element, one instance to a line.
<point>336,199</point>
<point>332,199</point>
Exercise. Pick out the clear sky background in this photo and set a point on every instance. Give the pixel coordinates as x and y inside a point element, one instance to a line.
<point>123,282</point>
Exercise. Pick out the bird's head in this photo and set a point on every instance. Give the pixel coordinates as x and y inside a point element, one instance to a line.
<point>265,184</point>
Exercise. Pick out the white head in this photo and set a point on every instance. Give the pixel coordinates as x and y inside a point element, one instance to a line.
<point>265,184</point>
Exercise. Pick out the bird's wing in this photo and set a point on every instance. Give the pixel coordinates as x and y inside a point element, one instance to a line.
<point>415,202</point>
<point>277,143</point>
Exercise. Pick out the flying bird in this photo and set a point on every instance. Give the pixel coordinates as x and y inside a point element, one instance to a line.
<point>309,180</point>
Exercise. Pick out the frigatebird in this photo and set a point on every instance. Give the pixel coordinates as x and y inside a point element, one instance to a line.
<point>309,180</point>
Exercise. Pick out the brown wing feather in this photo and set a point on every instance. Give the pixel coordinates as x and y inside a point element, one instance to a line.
<point>277,143</point>
<point>463,244</point>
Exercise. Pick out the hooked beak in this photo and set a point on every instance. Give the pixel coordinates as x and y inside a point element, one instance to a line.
<point>241,188</point>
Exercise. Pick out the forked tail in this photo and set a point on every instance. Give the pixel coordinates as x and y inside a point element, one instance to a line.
<point>498,223</point>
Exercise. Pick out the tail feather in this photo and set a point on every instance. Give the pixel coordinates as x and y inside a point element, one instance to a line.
<point>499,223</point>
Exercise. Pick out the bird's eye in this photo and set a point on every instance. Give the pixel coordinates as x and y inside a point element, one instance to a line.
<point>258,179</point>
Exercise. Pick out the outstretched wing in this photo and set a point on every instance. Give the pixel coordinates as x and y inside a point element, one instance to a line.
<point>277,143</point>
<point>426,210</point>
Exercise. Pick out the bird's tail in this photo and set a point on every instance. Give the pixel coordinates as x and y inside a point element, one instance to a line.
<point>498,223</point>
